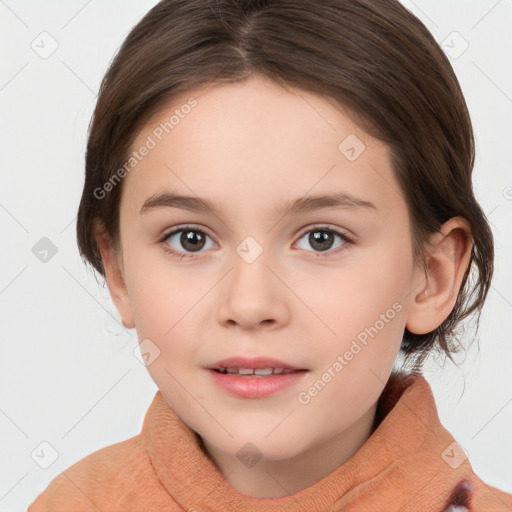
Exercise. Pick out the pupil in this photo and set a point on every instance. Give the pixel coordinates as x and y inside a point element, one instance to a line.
<point>323,238</point>
<point>192,240</point>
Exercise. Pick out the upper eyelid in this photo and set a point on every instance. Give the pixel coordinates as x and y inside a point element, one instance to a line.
<point>326,227</point>
<point>185,227</point>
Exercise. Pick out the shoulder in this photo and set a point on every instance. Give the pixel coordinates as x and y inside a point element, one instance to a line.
<point>98,478</point>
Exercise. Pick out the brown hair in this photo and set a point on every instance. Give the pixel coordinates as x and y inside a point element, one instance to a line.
<point>373,57</point>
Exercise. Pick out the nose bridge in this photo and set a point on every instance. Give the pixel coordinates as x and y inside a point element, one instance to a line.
<point>250,250</point>
<point>251,293</point>
<point>250,275</point>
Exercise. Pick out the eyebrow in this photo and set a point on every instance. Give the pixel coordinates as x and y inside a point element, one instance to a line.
<point>300,205</point>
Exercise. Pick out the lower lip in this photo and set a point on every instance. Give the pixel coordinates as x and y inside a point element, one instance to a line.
<point>255,387</point>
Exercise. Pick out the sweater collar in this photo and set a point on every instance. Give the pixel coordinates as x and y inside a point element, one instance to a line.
<point>401,455</point>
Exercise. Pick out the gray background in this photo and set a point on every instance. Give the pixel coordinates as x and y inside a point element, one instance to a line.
<point>68,373</point>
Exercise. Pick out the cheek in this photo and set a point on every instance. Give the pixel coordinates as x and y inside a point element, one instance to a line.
<point>162,305</point>
<point>363,306</point>
<point>161,296</point>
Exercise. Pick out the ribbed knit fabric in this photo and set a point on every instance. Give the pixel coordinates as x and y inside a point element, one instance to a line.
<point>410,463</point>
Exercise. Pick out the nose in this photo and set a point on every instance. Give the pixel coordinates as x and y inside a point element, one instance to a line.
<point>252,296</point>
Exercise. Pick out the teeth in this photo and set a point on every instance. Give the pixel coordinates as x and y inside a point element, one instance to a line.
<point>254,371</point>
<point>262,371</point>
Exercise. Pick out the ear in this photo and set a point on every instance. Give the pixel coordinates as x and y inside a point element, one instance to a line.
<point>447,261</point>
<point>114,274</point>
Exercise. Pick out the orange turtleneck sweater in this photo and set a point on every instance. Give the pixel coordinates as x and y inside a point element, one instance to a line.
<point>408,464</point>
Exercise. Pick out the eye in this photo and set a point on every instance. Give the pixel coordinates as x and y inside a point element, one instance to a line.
<point>191,240</point>
<point>188,239</point>
<point>322,239</point>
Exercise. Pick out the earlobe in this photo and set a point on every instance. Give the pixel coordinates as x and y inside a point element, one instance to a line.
<point>114,276</point>
<point>448,258</point>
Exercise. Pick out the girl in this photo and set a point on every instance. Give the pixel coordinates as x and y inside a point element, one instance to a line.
<point>279,196</point>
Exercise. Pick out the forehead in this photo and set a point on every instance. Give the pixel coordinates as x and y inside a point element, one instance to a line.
<point>237,144</point>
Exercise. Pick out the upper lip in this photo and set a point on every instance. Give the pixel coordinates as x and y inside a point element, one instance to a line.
<point>251,362</point>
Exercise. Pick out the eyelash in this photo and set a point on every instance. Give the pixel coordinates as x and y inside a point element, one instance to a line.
<point>181,255</point>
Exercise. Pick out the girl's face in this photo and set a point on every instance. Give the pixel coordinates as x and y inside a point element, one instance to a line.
<point>324,287</point>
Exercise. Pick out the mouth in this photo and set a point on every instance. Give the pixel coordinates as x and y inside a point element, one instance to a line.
<point>254,372</point>
<point>255,382</point>
<point>261,366</point>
